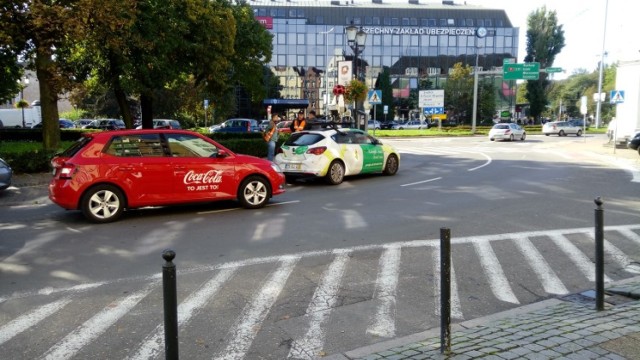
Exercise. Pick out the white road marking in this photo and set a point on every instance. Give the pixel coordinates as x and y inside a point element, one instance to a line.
<point>94,327</point>
<point>583,263</point>
<point>550,281</point>
<point>248,326</point>
<point>422,182</point>
<point>630,234</point>
<point>384,324</point>
<point>324,299</point>
<point>491,266</point>
<point>456,309</point>
<point>239,208</point>
<point>153,344</point>
<point>483,165</point>
<point>22,323</point>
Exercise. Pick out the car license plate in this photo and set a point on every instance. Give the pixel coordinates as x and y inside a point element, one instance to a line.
<point>292,166</point>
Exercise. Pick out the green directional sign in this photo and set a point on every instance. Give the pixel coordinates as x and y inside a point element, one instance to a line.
<point>553,70</point>
<point>525,71</point>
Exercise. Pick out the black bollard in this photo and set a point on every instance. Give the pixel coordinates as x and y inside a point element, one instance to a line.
<point>170,296</point>
<point>599,236</point>
<point>445,290</point>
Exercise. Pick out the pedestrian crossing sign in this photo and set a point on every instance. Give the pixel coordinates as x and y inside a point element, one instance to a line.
<point>616,97</point>
<point>375,97</point>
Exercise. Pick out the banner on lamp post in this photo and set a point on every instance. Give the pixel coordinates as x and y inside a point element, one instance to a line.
<point>345,72</point>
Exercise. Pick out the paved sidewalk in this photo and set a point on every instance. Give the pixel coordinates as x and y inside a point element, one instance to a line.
<point>564,328</point>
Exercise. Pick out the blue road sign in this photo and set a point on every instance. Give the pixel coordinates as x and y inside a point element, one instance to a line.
<point>616,97</point>
<point>375,97</point>
<point>433,110</point>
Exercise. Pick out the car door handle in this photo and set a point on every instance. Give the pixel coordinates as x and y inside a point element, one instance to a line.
<point>125,168</point>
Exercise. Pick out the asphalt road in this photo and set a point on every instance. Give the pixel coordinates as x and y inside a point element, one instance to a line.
<point>324,268</point>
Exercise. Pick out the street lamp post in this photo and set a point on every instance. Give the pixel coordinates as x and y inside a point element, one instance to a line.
<point>600,69</point>
<point>356,38</point>
<point>326,71</point>
<point>23,85</point>
<point>480,33</point>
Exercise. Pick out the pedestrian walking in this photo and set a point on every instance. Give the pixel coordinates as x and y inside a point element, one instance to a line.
<point>271,136</point>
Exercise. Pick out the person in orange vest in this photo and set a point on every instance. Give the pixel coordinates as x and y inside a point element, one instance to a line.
<point>299,123</point>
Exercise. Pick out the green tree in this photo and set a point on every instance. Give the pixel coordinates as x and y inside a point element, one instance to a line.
<point>545,40</point>
<point>458,92</point>
<point>383,83</point>
<point>487,99</point>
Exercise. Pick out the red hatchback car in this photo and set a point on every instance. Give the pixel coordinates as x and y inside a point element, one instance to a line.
<point>104,173</point>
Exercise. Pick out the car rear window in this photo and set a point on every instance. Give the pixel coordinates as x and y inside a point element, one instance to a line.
<point>301,139</point>
<point>76,146</point>
<point>501,126</point>
<point>135,145</point>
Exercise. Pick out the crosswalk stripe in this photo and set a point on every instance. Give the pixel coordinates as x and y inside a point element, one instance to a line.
<point>153,344</point>
<point>550,281</point>
<point>246,329</point>
<point>386,285</point>
<point>491,266</point>
<point>94,327</point>
<point>456,309</point>
<point>24,322</point>
<point>630,234</point>
<point>322,303</point>
<point>579,259</point>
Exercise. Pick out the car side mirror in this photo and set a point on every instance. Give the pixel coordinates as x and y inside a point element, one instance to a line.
<point>222,153</point>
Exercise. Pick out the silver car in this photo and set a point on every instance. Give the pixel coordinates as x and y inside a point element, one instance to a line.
<point>561,128</point>
<point>5,175</point>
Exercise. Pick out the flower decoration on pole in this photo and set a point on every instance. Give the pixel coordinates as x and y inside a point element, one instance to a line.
<point>356,91</point>
<point>338,92</point>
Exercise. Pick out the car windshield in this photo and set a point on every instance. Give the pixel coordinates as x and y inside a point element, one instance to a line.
<point>301,139</point>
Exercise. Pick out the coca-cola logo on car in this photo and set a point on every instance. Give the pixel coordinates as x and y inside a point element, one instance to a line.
<point>209,177</point>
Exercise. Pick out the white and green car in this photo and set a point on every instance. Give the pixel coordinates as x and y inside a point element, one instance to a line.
<point>335,153</point>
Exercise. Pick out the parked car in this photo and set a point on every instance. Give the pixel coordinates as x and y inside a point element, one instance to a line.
<point>374,125</point>
<point>412,124</point>
<point>64,124</point>
<point>238,125</point>
<point>106,124</point>
<point>5,174</point>
<point>164,124</point>
<point>389,125</point>
<point>634,143</point>
<point>264,124</point>
<point>580,123</point>
<point>561,128</point>
<point>507,131</point>
<point>284,126</point>
<point>333,154</point>
<point>105,173</point>
<point>81,123</point>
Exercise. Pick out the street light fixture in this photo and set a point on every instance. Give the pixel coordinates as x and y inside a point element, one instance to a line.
<point>326,70</point>
<point>356,38</point>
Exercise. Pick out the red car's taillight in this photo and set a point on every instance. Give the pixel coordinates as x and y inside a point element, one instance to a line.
<point>66,171</point>
<point>317,150</point>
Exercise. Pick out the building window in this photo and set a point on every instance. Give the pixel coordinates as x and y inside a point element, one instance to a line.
<point>443,22</point>
<point>368,20</point>
<point>451,22</point>
<point>413,22</point>
<point>480,22</point>
<point>375,20</point>
<point>405,21</point>
<point>319,19</point>
<point>469,22</point>
<point>487,22</point>
<point>461,22</point>
<point>499,23</point>
<point>301,39</point>
<point>395,22</point>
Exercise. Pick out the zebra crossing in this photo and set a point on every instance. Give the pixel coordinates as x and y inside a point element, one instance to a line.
<point>305,305</point>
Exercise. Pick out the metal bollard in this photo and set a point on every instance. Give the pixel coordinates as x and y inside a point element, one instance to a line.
<point>445,290</point>
<point>599,237</point>
<point>170,296</point>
